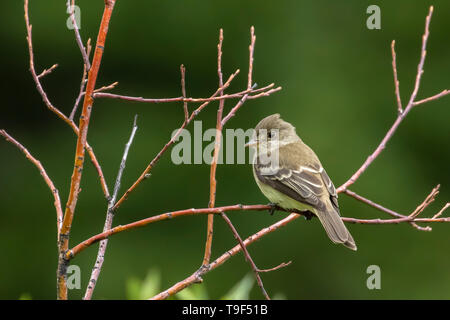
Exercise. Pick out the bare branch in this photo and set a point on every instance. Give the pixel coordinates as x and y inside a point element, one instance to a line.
<point>83,82</point>
<point>422,59</point>
<point>47,71</point>
<point>437,215</point>
<point>252,94</point>
<point>76,29</point>
<point>251,49</point>
<point>183,92</point>
<point>396,82</point>
<point>217,142</point>
<point>109,218</point>
<point>435,97</point>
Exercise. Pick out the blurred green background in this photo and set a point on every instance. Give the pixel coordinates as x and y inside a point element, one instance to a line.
<point>337,90</point>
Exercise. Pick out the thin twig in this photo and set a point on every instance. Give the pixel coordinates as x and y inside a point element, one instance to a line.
<point>437,215</point>
<point>251,49</point>
<point>48,181</point>
<point>428,200</point>
<point>76,29</point>
<point>234,109</point>
<point>47,71</point>
<point>83,82</point>
<point>217,142</point>
<point>183,92</point>
<point>422,59</point>
<point>396,82</point>
<point>109,218</point>
<point>435,97</point>
<point>252,94</point>
<point>105,88</point>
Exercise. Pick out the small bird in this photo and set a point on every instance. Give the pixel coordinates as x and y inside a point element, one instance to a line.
<point>290,175</point>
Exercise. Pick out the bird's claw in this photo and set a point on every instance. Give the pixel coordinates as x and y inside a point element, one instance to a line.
<point>273,208</point>
<point>308,215</point>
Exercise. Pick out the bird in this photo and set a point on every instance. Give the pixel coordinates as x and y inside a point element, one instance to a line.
<point>291,176</point>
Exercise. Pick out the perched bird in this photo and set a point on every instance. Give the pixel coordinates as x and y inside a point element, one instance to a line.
<point>290,175</point>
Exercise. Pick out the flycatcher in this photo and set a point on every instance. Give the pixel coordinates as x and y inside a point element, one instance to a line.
<point>290,175</point>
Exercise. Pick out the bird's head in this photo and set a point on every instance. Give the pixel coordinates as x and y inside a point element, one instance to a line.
<point>272,131</point>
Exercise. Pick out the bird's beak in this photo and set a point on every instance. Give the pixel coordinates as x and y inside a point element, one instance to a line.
<point>251,143</point>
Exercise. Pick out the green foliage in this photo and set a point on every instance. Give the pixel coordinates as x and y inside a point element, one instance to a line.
<point>25,296</point>
<point>241,290</point>
<point>139,290</point>
<point>143,289</point>
<point>194,292</point>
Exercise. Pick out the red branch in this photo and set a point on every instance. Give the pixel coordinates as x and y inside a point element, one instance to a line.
<point>217,143</point>
<point>80,148</point>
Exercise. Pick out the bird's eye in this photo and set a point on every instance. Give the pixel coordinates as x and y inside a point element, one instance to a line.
<point>271,134</point>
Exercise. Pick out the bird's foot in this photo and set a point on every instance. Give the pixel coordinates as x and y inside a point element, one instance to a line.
<point>273,207</point>
<point>308,215</point>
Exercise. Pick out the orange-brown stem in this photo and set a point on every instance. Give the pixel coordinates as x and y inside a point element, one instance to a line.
<point>217,142</point>
<point>80,148</point>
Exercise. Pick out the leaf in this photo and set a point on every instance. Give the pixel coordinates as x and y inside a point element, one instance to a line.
<point>279,296</point>
<point>151,284</point>
<point>25,296</point>
<point>133,288</point>
<point>241,291</point>
<point>197,292</point>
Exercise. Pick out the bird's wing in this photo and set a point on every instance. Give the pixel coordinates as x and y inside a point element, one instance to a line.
<point>331,189</point>
<point>304,183</point>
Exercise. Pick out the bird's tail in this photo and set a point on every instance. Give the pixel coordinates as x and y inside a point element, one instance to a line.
<point>335,228</point>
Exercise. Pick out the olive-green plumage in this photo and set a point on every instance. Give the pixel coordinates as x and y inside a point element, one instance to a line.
<point>290,175</point>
